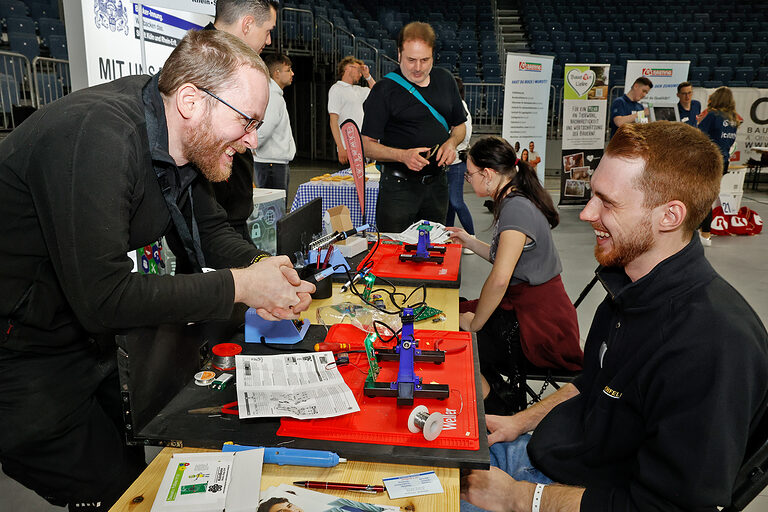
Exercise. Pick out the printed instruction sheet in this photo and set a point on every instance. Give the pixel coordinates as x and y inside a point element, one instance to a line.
<point>302,386</point>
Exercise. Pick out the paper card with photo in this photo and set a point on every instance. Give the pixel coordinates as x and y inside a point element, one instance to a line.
<point>572,160</point>
<point>574,188</point>
<point>581,164</point>
<point>581,173</point>
<point>297,499</point>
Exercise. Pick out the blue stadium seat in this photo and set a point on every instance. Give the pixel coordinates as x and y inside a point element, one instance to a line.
<point>704,37</point>
<point>708,59</point>
<point>612,37</point>
<point>744,73</point>
<point>737,48</point>
<point>685,37</point>
<point>676,27</point>
<point>581,46</point>
<point>587,57</point>
<point>624,57</point>
<point>667,37</point>
<point>567,57</point>
<point>710,26</point>
<point>606,27</point>
<point>762,73</point>
<point>49,87</point>
<point>571,26</point>
<point>717,48</point>
<point>593,36</point>
<point>657,47</point>
<point>728,59</point>
<point>648,37</point>
<point>599,46</point>
<point>562,46</point>
<point>666,56</point>
<point>647,56</point>
<point>676,47</point>
<point>576,35</point>
<point>737,83</point>
<point>25,44</point>
<point>20,25</point>
<point>642,28</point>
<point>722,74</point>
<point>760,84</point>
<point>49,27</point>
<point>696,48</point>
<point>623,27</point>
<point>731,26</point>
<point>711,84</point>
<point>10,8</point>
<point>639,47</point>
<point>631,37</point>
<point>699,73</point>
<point>692,57</point>
<point>608,57</point>
<point>742,37</point>
<point>58,47</point>
<point>537,35</point>
<point>468,58</point>
<point>617,74</point>
<point>620,47</point>
<point>542,46</point>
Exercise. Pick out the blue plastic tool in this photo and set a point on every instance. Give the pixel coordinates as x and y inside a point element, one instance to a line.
<point>291,456</point>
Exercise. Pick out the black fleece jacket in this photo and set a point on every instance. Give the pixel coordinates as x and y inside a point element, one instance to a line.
<point>78,190</point>
<point>675,376</point>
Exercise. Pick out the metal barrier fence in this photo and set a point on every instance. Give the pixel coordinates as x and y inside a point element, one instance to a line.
<point>51,79</point>
<point>15,88</point>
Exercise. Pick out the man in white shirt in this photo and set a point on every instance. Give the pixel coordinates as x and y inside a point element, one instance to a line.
<point>276,146</point>
<point>345,99</point>
<point>534,159</point>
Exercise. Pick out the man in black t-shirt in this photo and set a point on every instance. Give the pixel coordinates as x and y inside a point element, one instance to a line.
<point>414,142</point>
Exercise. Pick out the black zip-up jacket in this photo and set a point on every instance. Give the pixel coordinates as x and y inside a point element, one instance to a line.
<point>675,376</point>
<point>78,190</point>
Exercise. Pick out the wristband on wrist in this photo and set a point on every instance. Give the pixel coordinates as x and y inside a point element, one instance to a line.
<point>537,497</point>
<point>259,258</point>
<point>369,77</point>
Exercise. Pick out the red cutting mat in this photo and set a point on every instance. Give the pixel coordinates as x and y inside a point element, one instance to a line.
<point>379,420</point>
<point>386,263</point>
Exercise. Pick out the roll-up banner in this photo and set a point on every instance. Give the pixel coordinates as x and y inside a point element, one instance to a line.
<point>585,107</point>
<point>752,106</point>
<point>108,46</point>
<point>665,75</point>
<point>526,105</point>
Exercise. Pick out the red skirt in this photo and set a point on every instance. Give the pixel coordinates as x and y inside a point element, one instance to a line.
<point>549,327</point>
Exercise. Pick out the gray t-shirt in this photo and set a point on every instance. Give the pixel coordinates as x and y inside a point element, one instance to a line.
<point>539,261</point>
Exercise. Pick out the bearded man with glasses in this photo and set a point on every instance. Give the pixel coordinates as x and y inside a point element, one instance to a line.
<point>84,181</point>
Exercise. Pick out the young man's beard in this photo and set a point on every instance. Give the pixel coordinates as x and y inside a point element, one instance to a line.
<point>205,152</point>
<point>629,247</point>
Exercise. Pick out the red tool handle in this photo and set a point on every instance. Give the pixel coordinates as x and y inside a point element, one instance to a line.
<point>333,347</point>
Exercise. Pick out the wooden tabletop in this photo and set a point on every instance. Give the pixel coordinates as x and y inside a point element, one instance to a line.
<point>141,494</point>
<point>444,299</point>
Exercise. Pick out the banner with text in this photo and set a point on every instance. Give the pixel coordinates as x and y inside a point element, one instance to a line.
<point>665,75</point>
<point>752,106</point>
<point>585,107</point>
<point>111,34</point>
<point>526,106</point>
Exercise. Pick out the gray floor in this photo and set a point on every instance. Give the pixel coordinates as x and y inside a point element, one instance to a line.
<point>741,260</point>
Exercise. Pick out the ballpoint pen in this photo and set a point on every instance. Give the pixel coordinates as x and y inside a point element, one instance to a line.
<point>341,486</point>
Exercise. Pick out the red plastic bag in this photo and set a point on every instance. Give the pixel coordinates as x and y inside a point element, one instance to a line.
<point>754,221</point>
<point>720,222</point>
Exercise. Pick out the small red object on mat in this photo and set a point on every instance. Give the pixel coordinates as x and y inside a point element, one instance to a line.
<point>380,420</point>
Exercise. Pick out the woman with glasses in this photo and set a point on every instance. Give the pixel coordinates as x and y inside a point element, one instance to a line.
<point>523,316</point>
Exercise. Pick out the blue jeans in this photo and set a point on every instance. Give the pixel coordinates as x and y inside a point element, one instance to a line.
<point>456,204</point>
<point>513,458</point>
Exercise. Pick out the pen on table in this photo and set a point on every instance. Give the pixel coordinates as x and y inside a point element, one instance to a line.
<point>341,486</point>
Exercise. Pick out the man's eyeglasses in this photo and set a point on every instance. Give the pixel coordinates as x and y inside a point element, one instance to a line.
<point>468,176</point>
<point>252,123</point>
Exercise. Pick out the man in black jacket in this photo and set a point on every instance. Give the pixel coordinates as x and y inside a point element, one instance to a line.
<point>83,181</point>
<point>675,372</point>
<point>252,21</point>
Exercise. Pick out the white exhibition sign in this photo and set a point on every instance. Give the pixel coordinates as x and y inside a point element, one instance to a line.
<point>664,74</point>
<point>106,40</point>
<point>526,103</point>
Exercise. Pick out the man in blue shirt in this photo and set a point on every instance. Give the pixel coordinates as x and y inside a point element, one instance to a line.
<point>627,108</point>
<point>688,108</point>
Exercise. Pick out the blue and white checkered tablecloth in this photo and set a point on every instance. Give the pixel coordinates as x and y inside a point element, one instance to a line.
<point>335,193</point>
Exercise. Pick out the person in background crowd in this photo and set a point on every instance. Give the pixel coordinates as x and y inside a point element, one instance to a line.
<point>276,145</point>
<point>252,21</point>
<point>533,157</point>
<point>524,155</point>
<point>412,141</point>
<point>524,285</point>
<point>720,122</point>
<point>687,107</point>
<point>456,170</point>
<point>345,99</point>
<point>627,108</point>
<point>117,167</point>
<point>671,343</point>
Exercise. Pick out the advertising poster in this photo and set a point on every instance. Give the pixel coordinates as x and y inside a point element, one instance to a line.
<point>665,75</point>
<point>585,108</point>
<point>112,39</point>
<point>752,106</point>
<point>526,106</point>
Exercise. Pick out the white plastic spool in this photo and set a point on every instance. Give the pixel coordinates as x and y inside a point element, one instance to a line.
<point>420,420</point>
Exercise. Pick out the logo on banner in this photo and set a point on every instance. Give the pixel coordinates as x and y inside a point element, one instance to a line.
<point>581,81</point>
<point>530,66</point>
<point>657,72</point>
<point>111,15</point>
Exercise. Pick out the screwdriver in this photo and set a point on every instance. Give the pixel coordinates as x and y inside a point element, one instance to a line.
<point>333,347</point>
